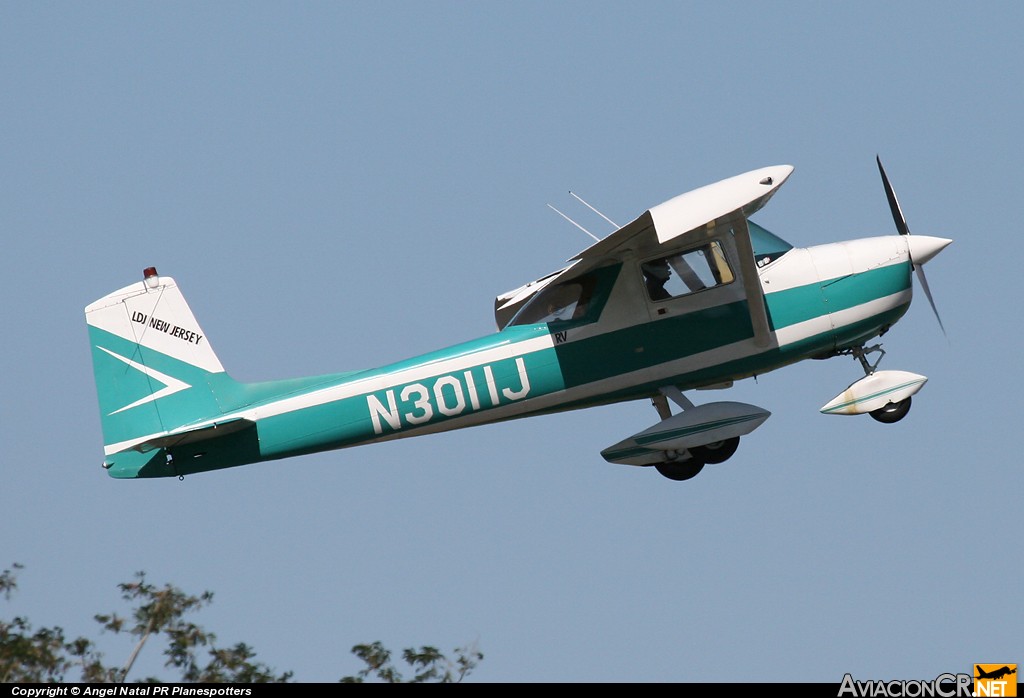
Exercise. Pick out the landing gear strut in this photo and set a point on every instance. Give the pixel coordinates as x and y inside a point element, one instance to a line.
<point>861,354</point>
<point>699,456</point>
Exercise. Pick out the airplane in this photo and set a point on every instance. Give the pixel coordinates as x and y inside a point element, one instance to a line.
<point>692,295</point>
<point>995,675</point>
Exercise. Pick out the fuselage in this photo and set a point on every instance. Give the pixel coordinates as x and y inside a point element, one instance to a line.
<point>818,300</point>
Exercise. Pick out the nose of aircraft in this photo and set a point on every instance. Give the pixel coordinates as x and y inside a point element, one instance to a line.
<point>923,247</point>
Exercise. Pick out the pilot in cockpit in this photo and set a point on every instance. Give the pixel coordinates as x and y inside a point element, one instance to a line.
<point>656,275</point>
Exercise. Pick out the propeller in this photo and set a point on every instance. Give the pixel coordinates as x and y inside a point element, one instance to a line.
<point>919,250</point>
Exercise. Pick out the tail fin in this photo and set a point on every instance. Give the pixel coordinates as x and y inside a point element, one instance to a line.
<point>154,367</point>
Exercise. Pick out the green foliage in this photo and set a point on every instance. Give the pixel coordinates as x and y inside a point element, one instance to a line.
<point>28,655</point>
<point>430,665</point>
<point>8,581</point>
<point>162,611</point>
<point>46,655</point>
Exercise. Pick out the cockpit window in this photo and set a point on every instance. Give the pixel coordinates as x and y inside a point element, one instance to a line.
<point>579,301</point>
<point>686,272</point>
<point>767,246</point>
<point>565,301</point>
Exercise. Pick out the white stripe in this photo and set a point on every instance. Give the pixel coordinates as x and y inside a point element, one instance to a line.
<point>341,391</point>
<point>409,375</point>
<point>171,385</point>
<point>821,324</point>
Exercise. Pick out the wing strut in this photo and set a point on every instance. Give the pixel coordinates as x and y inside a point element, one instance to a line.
<point>752,283</point>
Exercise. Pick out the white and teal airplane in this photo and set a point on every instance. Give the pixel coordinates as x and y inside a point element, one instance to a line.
<point>691,295</point>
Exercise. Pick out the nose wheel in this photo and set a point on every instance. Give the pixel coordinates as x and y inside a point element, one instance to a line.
<point>892,413</point>
<point>885,395</point>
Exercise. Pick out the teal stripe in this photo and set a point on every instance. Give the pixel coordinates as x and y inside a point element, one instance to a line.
<point>640,448</point>
<point>626,453</point>
<point>652,343</point>
<point>803,303</point>
<point>697,429</point>
<point>348,422</point>
<point>850,291</point>
<point>794,305</point>
<point>746,367</point>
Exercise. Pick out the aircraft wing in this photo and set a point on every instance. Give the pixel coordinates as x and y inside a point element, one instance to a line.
<point>688,217</point>
<point>691,214</point>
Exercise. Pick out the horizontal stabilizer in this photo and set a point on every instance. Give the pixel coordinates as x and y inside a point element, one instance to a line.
<point>189,436</point>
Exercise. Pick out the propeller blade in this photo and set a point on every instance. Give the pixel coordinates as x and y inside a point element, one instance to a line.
<point>927,247</point>
<point>928,294</point>
<point>894,205</point>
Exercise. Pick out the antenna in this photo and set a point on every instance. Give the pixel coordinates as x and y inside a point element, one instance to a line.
<point>573,194</point>
<point>574,223</point>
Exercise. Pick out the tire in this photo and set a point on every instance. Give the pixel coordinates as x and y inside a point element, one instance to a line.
<point>680,471</point>
<point>717,452</point>
<point>893,412</point>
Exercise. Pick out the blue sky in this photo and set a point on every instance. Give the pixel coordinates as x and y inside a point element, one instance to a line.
<point>339,185</point>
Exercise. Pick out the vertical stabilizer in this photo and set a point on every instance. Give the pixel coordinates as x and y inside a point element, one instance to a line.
<point>154,367</point>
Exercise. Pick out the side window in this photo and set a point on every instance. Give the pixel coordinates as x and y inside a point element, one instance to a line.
<point>686,272</point>
<point>566,301</point>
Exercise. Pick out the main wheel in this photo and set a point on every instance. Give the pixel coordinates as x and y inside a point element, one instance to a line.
<point>717,452</point>
<point>680,471</point>
<point>893,412</point>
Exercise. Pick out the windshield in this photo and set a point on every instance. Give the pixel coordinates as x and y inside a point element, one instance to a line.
<point>767,246</point>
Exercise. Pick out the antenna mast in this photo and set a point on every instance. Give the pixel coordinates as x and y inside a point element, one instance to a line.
<point>573,194</point>
<point>574,223</point>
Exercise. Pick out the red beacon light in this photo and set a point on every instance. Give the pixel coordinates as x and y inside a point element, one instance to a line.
<point>151,278</point>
